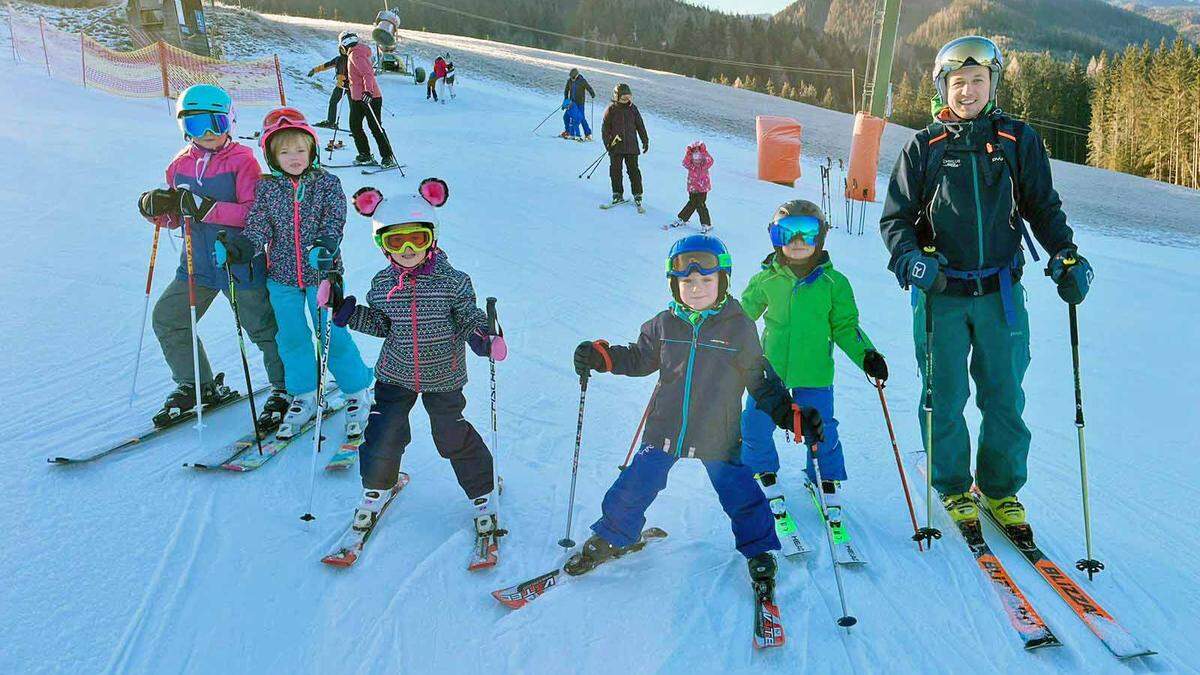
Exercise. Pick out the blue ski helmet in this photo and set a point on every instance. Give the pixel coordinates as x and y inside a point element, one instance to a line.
<point>205,98</point>
<point>699,253</point>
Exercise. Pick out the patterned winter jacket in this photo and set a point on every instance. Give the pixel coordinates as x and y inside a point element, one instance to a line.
<point>288,215</point>
<point>697,179</point>
<point>360,70</point>
<point>705,361</point>
<point>227,176</point>
<point>424,316</point>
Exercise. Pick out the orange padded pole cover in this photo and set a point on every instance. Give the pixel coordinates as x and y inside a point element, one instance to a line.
<point>778,149</point>
<point>864,157</point>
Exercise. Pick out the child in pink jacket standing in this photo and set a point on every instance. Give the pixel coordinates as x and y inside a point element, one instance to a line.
<point>366,102</point>
<point>697,161</point>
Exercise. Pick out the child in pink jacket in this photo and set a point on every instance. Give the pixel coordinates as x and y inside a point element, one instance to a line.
<point>697,161</point>
<point>366,102</point>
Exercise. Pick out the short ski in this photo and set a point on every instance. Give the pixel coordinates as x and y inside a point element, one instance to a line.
<point>485,552</point>
<point>381,169</point>
<point>350,545</point>
<point>224,457</point>
<point>1024,618</point>
<point>768,626</point>
<point>793,545</point>
<point>346,455</point>
<point>845,553</point>
<point>1115,637</point>
<point>249,459</point>
<point>350,166</point>
<point>516,597</point>
<point>609,205</point>
<point>153,432</point>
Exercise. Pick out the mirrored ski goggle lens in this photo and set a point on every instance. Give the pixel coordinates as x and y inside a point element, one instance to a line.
<point>694,261</point>
<point>976,53</point>
<point>199,124</point>
<point>790,227</point>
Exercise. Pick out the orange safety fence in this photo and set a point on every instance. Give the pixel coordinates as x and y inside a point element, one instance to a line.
<point>778,149</point>
<point>158,70</point>
<point>864,157</point>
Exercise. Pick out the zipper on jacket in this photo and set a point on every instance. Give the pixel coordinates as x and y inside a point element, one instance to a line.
<point>978,218</point>
<point>416,346</point>
<point>687,389</point>
<point>296,232</point>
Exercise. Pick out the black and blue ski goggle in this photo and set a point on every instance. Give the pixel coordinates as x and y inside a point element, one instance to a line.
<point>789,227</point>
<point>704,262</point>
<point>196,125</point>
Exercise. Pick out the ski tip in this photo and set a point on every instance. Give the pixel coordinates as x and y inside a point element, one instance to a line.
<point>343,561</point>
<point>654,533</point>
<point>58,460</point>
<point>501,596</point>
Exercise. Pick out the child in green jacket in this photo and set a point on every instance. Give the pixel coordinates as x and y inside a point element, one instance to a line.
<point>809,307</point>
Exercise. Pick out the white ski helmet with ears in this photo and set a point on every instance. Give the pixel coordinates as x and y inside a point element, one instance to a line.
<point>410,209</point>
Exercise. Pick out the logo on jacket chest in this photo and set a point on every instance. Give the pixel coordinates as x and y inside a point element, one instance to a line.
<point>951,162</point>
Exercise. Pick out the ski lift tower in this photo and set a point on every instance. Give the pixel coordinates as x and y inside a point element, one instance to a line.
<point>880,56</point>
<point>177,22</point>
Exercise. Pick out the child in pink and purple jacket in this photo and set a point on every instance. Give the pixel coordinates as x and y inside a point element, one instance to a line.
<point>697,161</point>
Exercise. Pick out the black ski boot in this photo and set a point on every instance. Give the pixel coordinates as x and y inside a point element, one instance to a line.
<point>595,551</point>
<point>182,401</point>
<point>326,124</point>
<point>364,159</point>
<point>388,162</point>
<point>762,574</point>
<point>272,411</point>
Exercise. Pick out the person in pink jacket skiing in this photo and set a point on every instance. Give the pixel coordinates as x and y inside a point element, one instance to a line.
<point>697,161</point>
<point>366,102</point>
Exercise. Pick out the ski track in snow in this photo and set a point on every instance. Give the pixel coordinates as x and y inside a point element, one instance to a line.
<point>138,565</point>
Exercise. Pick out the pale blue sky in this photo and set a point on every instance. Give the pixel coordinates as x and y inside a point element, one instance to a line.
<point>744,6</point>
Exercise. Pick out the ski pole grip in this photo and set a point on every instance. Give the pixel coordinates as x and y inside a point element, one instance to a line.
<point>491,316</point>
<point>797,423</point>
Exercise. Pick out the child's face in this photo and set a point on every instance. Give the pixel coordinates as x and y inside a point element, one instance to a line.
<point>699,291</point>
<point>292,155</point>
<point>211,141</point>
<point>798,249</point>
<point>409,258</point>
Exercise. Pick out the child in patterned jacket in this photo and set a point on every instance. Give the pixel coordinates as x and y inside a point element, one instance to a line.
<point>425,311</point>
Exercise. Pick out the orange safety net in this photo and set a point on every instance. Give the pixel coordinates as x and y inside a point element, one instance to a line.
<point>778,149</point>
<point>864,157</point>
<point>159,70</point>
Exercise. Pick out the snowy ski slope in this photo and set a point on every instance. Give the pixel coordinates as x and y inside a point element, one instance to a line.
<point>138,565</point>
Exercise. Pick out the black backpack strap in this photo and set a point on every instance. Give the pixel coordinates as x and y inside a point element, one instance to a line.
<point>1008,135</point>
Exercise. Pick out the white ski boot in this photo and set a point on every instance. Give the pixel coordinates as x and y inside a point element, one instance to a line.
<point>487,533</point>
<point>368,510</point>
<point>301,412</point>
<point>358,408</point>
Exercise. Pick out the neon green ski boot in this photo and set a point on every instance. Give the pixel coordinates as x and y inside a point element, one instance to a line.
<point>1008,511</point>
<point>961,507</point>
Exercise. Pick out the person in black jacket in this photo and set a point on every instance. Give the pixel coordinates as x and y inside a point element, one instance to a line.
<point>574,96</point>
<point>707,355</point>
<point>953,221</point>
<point>621,130</point>
<point>341,85</point>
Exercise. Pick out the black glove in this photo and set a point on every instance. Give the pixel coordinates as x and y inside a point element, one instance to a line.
<point>645,147</point>
<point>366,96</point>
<point>591,356</point>
<point>812,428</point>
<point>1072,273</point>
<point>921,269</point>
<point>194,205</point>
<point>874,365</point>
<point>235,249</point>
<point>159,202</point>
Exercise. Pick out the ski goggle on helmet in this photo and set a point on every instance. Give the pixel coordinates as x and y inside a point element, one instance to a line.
<point>204,109</point>
<point>405,239</point>
<point>698,253</point>
<point>971,50</point>
<point>788,228</point>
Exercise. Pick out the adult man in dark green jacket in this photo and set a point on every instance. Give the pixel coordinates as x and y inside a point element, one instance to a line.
<point>953,220</point>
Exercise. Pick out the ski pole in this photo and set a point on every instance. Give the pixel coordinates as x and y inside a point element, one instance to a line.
<point>322,362</point>
<point>566,541</point>
<point>539,126</point>
<point>494,329</point>
<point>638,434</point>
<point>237,320</point>
<point>591,167</point>
<point>137,360</point>
<point>337,123</point>
<point>929,532</point>
<point>846,620</point>
<point>887,418</point>
<point>1088,564</point>
<point>379,125</point>
<point>191,275</point>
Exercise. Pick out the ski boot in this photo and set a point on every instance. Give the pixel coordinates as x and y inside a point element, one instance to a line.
<point>564,135</point>
<point>365,159</point>
<point>183,399</point>
<point>368,510</point>
<point>833,511</point>
<point>358,407</point>
<point>762,574</point>
<point>617,198</point>
<point>272,412</point>
<point>594,552</point>
<point>301,412</point>
<point>961,507</point>
<point>487,533</point>
<point>388,162</point>
<point>678,222</point>
<point>326,124</point>
<point>587,138</point>
<point>637,201</point>
<point>705,228</point>
<point>334,145</point>
<point>1009,513</point>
